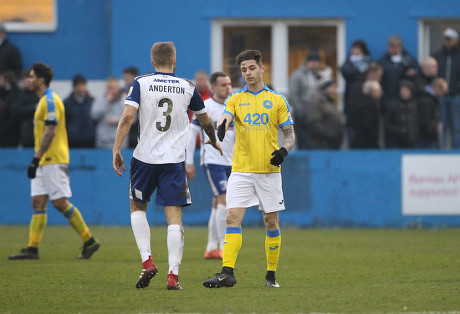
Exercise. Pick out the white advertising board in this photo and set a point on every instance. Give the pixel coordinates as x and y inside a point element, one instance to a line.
<point>430,184</point>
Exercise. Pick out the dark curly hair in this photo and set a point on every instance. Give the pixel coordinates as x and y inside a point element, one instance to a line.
<point>249,55</point>
<point>44,71</point>
<point>361,44</point>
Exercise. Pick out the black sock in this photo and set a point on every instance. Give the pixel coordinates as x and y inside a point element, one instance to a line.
<point>270,275</point>
<point>227,270</point>
<point>90,241</point>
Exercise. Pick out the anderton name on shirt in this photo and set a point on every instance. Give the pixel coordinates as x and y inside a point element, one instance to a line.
<point>166,88</point>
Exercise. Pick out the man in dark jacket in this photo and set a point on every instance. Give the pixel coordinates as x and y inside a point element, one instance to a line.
<point>365,116</point>
<point>449,68</point>
<point>9,123</point>
<point>324,121</point>
<point>374,72</point>
<point>397,64</point>
<point>303,80</point>
<point>10,58</point>
<point>80,126</point>
<point>428,114</point>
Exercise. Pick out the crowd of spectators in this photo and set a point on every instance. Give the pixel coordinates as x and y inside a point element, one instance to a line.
<point>391,102</point>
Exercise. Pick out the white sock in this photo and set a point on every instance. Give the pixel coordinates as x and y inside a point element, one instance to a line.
<point>221,223</point>
<point>213,239</point>
<point>141,231</point>
<point>175,241</point>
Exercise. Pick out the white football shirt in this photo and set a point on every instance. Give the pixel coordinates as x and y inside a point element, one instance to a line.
<point>210,155</point>
<point>162,100</point>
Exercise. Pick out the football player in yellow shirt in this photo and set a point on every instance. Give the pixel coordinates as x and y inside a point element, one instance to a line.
<point>258,113</point>
<point>49,167</point>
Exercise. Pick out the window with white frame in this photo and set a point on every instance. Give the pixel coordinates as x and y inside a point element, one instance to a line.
<point>283,44</point>
<point>430,35</point>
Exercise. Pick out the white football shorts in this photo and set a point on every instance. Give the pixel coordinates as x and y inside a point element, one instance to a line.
<point>51,180</point>
<point>249,189</point>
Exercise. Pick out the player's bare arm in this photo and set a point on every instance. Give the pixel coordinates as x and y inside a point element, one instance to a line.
<point>126,120</point>
<point>288,143</point>
<point>191,171</point>
<point>208,127</point>
<point>48,135</point>
<point>289,136</point>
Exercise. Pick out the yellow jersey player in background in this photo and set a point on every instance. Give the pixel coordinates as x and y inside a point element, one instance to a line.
<point>48,170</point>
<point>258,113</point>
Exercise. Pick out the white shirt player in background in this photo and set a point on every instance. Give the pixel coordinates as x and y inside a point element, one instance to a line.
<point>158,161</point>
<point>217,168</point>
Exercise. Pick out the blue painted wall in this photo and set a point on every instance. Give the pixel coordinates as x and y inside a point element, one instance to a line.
<point>81,43</point>
<point>101,37</point>
<point>322,189</point>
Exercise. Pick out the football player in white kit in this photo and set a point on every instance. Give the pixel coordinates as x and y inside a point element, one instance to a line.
<point>158,162</point>
<point>217,168</point>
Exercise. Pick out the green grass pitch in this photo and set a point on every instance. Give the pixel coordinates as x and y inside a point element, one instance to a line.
<point>320,270</point>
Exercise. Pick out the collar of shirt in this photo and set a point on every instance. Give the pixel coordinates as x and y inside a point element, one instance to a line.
<point>171,74</point>
<point>429,89</point>
<point>46,91</point>
<point>245,89</point>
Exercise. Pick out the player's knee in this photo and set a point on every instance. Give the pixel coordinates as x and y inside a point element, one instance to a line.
<point>234,218</point>
<point>271,222</point>
<point>60,204</point>
<point>230,218</point>
<point>221,199</point>
<point>38,203</point>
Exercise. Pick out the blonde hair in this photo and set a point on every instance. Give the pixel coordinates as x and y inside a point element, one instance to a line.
<point>163,53</point>
<point>440,83</point>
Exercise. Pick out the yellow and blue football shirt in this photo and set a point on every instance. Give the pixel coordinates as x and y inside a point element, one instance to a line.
<point>50,110</point>
<point>257,117</point>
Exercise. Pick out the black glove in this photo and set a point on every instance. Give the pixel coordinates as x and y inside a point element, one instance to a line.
<point>33,167</point>
<point>221,130</point>
<point>278,156</point>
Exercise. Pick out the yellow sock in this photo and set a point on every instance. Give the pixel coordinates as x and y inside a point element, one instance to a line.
<point>272,248</point>
<point>36,227</point>
<point>75,219</point>
<point>232,245</point>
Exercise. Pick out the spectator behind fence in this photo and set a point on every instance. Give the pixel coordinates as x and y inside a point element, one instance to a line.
<point>9,123</point>
<point>401,118</point>
<point>354,69</point>
<point>428,72</point>
<point>449,68</point>
<point>80,126</point>
<point>202,84</point>
<point>429,122</point>
<point>106,112</point>
<point>324,121</point>
<point>397,64</point>
<point>10,57</point>
<point>25,110</point>
<point>129,74</point>
<point>374,72</point>
<point>365,116</point>
<point>301,82</point>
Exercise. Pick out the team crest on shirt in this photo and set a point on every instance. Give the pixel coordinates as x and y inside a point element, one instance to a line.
<point>51,116</point>
<point>268,104</point>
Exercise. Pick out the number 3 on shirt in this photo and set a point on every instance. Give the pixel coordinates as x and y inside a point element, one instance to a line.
<point>166,114</point>
<point>256,118</point>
